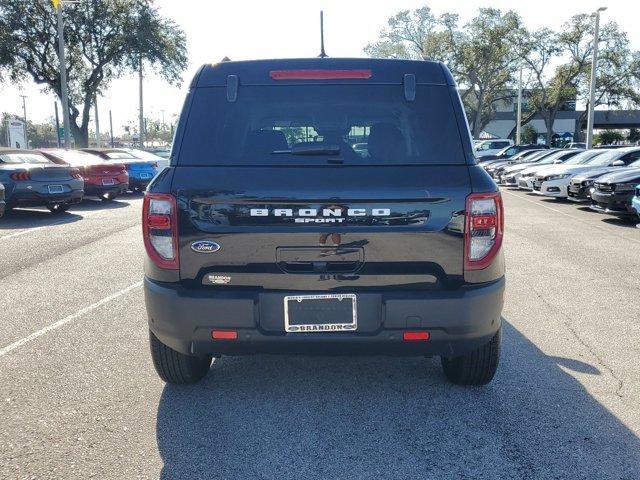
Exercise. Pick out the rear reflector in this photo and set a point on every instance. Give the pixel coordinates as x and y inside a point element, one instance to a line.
<point>415,336</point>
<point>224,334</point>
<point>318,74</point>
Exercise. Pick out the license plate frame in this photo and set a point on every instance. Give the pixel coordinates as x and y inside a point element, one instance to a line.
<point>293,326</point>
<point>55,189</point>
<point>108,182</point>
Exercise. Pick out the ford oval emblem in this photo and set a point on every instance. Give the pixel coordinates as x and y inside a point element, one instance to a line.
<point>205,246</point>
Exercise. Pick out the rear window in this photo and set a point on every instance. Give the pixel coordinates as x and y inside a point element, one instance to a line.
<point>17,158</point>
<point>316,124</point>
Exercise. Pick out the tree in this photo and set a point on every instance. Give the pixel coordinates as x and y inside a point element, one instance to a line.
<point>105,39</point>
<point>528,135</point>
<point>607,137</point>
<point>482,56</point>
<point>617,75</point>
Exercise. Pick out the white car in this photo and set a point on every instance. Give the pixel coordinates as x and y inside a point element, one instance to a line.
<point>527,176</point>
<point>151,157</point>
<point>554,182</point>
<point>491,147</point>
<point>511,175</point>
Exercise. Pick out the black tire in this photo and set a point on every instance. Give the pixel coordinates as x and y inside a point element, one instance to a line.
<point>108,197</point>
<point>476,367</point>
<point>58,208</point>
<point>175,367</point>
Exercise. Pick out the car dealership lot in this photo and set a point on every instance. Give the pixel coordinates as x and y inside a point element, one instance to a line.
<point>79,397</point>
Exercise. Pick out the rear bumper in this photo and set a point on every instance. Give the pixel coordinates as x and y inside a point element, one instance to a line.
<point>92,190</point>
<point>458,321</point>
<point>35,199</point>
<point>139,182</point>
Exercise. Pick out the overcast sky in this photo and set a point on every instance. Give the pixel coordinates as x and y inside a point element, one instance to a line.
<point>244,29</point>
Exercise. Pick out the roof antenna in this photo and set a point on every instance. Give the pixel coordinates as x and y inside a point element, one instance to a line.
<point>322,53</point>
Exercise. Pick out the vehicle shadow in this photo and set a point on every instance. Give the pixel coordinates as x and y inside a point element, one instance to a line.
<point>378,417</point>
<point>19,219</point>
<point>621,222</point>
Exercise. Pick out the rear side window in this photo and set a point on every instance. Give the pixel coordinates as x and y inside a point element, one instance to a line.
<point>17,158</point>
<point>314,124</point>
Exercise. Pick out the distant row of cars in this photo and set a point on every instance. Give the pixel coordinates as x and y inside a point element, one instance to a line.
<point>606,178</point>
<point>58,178</point>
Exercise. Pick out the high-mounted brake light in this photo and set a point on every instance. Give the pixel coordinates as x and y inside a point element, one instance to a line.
<point>160,229</point>
<point>20,176</point>
<point>318,74</point>
<point>483,229</point>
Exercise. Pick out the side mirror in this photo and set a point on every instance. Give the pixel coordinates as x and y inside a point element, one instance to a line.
<point>618,163</point>
<point>557,161</point>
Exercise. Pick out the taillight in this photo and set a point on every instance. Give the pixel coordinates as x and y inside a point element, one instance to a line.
<point>20,176</point>
<point>75,173</point>
<point>160,229</point>
<point>155,164</point>
<point>483,230</point>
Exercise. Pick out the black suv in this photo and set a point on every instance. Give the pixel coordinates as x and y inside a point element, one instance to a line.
<point>271,233</point>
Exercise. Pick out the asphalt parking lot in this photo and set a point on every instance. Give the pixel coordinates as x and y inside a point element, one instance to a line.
<point>79,397</point>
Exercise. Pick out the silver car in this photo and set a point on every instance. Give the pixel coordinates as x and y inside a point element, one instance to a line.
<point>32,180</point>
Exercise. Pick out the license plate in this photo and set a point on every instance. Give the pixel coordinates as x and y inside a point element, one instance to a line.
<point>55,188</point>
<point>320,313</point>
<point>145,175</point>
<point>108,181</point>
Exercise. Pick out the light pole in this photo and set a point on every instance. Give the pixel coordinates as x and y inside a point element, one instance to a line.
<point>592,83</point>
<point>24,117</point>
<point>63,75</point>
<point>141,112</point>
<point>519,114</point>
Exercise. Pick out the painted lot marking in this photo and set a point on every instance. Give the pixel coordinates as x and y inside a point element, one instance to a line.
<point>65,320</point>
<point>570,216</point>
<point>30,230</point>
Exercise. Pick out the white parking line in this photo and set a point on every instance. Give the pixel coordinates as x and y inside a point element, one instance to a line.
<point>570,216</point>
<point>65,320</point>
<point>30,230</point>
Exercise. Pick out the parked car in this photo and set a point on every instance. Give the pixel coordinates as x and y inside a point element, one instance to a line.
<point>102,179</point>
<point>32,180</point>
<point>161,152</point>
<point>509,152</point>
<point>527,176</point>
<point>491,147</point>
<point>581,185</point>
<point>2,201</point>
<point>612,193</point>
<point>635,203</point>
<point>496,170</point>
<point>518,157</point>
<point>140,171</point>
<point>160,162</point>
<point>511,175</point>
<point>555,182</point>
<point>316,257</point>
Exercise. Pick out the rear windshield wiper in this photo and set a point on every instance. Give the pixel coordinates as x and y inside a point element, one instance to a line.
<point>308,150</point>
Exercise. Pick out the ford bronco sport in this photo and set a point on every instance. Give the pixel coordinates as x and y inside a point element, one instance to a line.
<point>270,233</point>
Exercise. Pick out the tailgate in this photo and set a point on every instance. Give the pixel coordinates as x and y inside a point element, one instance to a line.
<point>322,227</point>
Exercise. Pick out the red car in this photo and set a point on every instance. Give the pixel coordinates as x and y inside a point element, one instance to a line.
<point>102,179</point>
